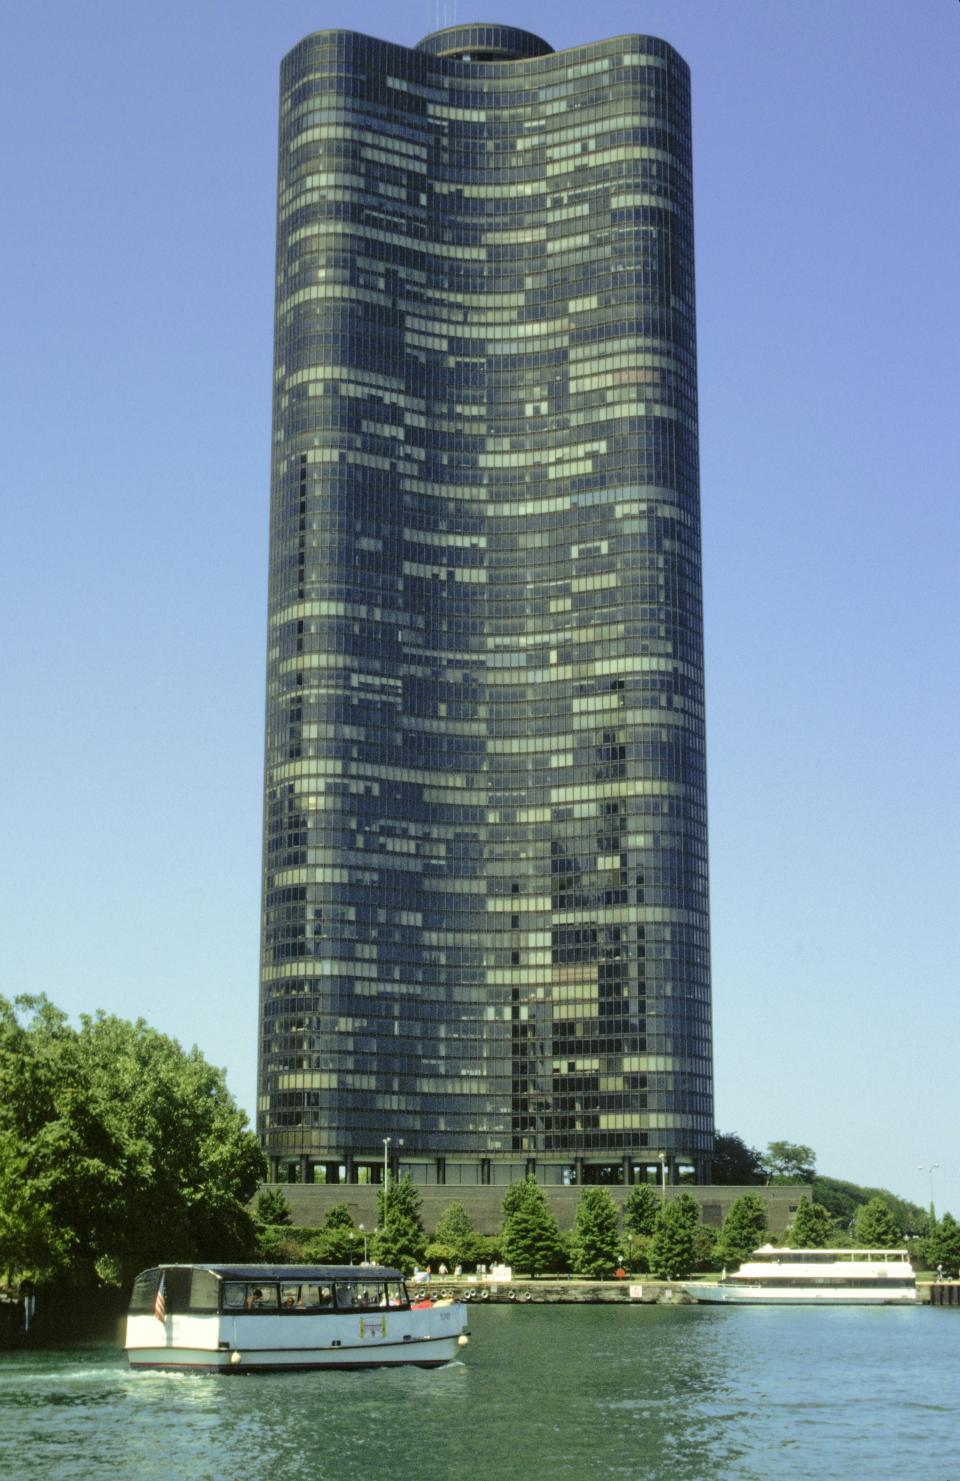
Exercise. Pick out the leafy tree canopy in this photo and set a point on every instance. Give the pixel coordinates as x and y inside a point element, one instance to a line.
<point>744,1229</point>
<point>338,1216</point>
<point>843,1199</point>
<point>531,1236</point>
<point>336,1244</point>
<point>454,1226</point>
<point>400,1240</point>
<point>942,1248</point>
<point>875,1227</point>
<point>596,1234</point>
<point>401,1197</point>
<point>516,1195</point>
<point>705,1242</point>
<point>118,1149</point>
<point>736,1164</point>
<point>789,1162</point>
<point>455,1240</point>
<point>811,1228</point>
<point>278,1245</point>
<point>674,1244</point>
<point>640,1209</point>
<point>273,1208</point>
<point>636,1252</point>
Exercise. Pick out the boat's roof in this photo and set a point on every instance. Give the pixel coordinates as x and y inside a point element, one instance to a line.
<point>294,1272</point>
<point>854,1254</point>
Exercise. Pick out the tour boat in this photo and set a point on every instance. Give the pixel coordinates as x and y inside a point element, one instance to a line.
<point>248,1318</point>
<point>784,1277</point>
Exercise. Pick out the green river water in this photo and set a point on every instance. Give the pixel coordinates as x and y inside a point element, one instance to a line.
<point>567,1393</point>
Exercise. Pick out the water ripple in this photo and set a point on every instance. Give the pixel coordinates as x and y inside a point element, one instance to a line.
<point>569,1394</point>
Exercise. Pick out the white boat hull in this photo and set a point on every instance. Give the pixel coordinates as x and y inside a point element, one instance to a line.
<point>424,1353</point>
<point>703,1291</point>
<point>423,1338</point>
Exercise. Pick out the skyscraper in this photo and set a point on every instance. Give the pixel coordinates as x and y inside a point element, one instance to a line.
<point>485,911</point>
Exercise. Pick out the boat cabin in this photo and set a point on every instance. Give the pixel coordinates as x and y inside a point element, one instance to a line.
<point>268,1290</point>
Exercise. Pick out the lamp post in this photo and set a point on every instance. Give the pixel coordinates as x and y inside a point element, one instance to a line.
<point>931,1169</point>
<point>663,1187</point>
<point>364,1233</point>
<point>386,1170</point>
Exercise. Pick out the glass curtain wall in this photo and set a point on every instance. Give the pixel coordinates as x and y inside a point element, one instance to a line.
<point>485,910</point>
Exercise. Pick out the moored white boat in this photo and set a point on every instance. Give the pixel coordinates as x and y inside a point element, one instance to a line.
<point>785,1277</point>
<point>248,1318</point>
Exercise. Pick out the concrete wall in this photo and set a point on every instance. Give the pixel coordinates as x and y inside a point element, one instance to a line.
<point>309,1202</point>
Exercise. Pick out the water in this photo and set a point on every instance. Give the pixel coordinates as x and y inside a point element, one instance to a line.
<point>579,1393</point>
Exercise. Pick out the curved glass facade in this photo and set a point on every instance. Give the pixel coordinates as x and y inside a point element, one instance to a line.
<point>485,909</point>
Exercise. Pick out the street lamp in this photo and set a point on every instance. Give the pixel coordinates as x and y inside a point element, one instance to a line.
<point>386,1169</point>
<point>663,1188</point>
<point>364,1233</point>
<point>931,1169</point>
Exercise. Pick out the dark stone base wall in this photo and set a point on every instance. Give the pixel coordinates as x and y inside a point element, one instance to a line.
<point>310,1202</point>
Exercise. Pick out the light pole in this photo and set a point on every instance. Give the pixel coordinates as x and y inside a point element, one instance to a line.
<point>364,1233</point>
<point>931,1169</point>
<point>386,1170</point>
<point>663,1186</point>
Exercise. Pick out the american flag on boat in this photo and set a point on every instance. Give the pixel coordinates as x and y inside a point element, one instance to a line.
<point>160,1301</point>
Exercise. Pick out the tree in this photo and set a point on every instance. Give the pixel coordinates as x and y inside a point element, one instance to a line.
<point>531,1236</point>
<point>515,1196</point>
<point>636,1252</point>
<point>640,1209</point>
<point>454,1239</point>
<point>338,1216</point>
<point>842,1200</point>
<point>279,1245</point>
<point>400,1240</point>
<point>118,1149</point>
<point>338,1245</point>
<point>734,1163</point>
<point>673,1247</point>
<point>455,1226</point>
<point>744,1229</point>
<point>811,1227</point>
<point>943,1247</point>
<point>273,1208</point>
<point>875,1227</point>
<point>337,1242</point>
<point>596,1234</point>
<point>705,1242</point>
<point>789,1162</point>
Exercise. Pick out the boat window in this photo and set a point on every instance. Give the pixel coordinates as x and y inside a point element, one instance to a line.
<point>204,1291</point>
<point>251,1295</point>
<point>366,1294</point>
<point>362,1293</point>
<point>346,1295</point>
<point>185,1288</point>
<point>305,1296</point>
<point>144,1292</point>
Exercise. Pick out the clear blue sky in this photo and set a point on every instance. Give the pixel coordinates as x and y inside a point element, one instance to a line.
<point>138,172</point>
